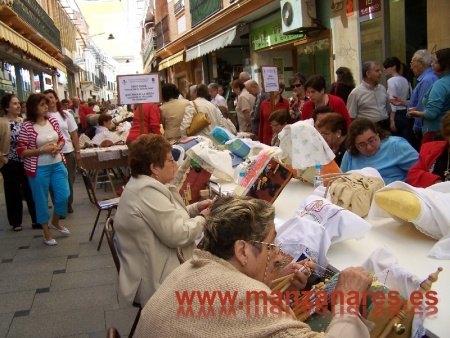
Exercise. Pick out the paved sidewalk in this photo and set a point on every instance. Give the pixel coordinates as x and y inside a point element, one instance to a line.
<point>68,290</point>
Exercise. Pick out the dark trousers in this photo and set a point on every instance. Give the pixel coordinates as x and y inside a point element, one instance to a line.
<point>14,183</point>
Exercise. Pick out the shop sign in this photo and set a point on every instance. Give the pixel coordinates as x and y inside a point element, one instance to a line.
<point>270,35</point>
<point>367,7</point>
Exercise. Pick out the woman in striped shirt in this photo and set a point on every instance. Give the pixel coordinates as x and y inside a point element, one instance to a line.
<point>40,143</point>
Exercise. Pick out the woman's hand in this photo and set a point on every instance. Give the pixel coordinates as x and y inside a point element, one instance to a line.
<point>414,112</point>
<point>202,205</point>
<point>301,270</point>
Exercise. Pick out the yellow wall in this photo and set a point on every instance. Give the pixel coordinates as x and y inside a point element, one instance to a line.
<point>438,21</point>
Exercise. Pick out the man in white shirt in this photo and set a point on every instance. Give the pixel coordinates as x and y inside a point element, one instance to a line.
<point>216,99</point>
<point>370,98</point>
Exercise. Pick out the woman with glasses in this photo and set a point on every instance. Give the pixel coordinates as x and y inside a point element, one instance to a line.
<point>298,98</point>
<point>370,146</point>
<point>278,120</point>
<point>239,261</point>
<point>152,220</point>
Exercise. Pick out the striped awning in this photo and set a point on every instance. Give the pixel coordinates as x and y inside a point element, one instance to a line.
<point>11,36</point>
<point>171,60</point>
<point>219,41</point>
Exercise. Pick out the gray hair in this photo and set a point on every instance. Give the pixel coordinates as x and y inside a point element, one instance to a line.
<point>367,66</point>
<point>424,56</point>
<point>251,83</point>
<point>192,89</point>
<point>244,76</point>
<point>233,219</point>
<point>213,86</point>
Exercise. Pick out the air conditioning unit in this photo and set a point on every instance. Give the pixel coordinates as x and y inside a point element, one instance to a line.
<point>296,15</point>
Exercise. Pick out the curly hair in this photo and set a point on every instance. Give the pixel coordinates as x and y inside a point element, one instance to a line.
<point>297,77</point>
<point>146,150</point>
<point>345,76</point>
<point>236,218</point>
<point>358,127</point>
<point>32,106</point>
<point>169,91</point>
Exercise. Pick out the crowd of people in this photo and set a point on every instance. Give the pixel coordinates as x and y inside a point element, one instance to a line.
<point>403,133</point>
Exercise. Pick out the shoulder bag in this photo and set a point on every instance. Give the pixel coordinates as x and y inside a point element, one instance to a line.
<point>199,122</point>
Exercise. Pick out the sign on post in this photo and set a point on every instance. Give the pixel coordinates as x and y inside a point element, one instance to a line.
<point>141,88</point>
<point>270,78</point>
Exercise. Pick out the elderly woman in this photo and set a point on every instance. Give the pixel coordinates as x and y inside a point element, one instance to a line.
<point>434,160</point>
<point>11,165</point>
<point>152,220</point>
<point>40,143</point>
<point>240,262</point>
<point>298,98</point>
<point>333,129</point>
<point>278,120</point>
<point>370,146</point>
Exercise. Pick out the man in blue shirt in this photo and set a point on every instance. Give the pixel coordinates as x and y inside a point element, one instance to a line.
<point>421,67</point>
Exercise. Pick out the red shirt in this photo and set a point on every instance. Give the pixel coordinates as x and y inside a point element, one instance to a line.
<point>151,121</point>
<point>265,131</point>
<point>83,112</point>
<point>419,174</point>
<point>334,102</point>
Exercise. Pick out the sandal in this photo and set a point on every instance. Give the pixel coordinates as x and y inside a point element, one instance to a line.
<point>17,228</point>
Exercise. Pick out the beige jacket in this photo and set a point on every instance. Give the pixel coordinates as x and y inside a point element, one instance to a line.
<point>5,140</point>
<point>165,316</point>
<point>150,223</point>
<point>171,116</point>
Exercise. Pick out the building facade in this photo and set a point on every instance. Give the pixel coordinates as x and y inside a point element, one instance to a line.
<point>194,41</point>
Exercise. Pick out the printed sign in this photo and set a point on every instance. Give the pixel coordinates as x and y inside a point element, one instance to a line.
<point>270,78</point>
<point>140,88</point>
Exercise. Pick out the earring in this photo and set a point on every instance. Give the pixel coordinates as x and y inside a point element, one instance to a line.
<point>244,264</point>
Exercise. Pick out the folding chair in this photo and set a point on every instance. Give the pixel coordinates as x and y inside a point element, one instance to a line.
<point>109,232</point>
<point>108,205</point>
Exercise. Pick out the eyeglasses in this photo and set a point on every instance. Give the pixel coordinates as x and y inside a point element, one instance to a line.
<point>370,141</point>
<point>274,125</point>
<point>297,85</point>
<point>277,247</point>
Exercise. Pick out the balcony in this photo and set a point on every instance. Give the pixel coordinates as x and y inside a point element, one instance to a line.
<point>203,9</point>
<point>28,18</point>
<point>162,33</point>
<point>178,6</point>
<point>149,45</point>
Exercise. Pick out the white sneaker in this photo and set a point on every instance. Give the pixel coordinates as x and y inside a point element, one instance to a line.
<point>50,242</point>
<point>64,231</point>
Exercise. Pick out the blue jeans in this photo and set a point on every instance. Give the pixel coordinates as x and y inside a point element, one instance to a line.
<point>54,177</point>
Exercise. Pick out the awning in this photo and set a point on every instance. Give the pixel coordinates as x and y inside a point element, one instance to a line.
<point>171,60</point>
<point>223,39</point>
<point>11,36</point>
<point>17,40</point>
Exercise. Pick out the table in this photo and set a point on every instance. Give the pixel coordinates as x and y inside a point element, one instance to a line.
<point>104,158</point>
<point>407,243</point>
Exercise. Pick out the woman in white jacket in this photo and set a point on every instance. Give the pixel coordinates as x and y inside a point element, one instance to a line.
<point>152,220</point>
